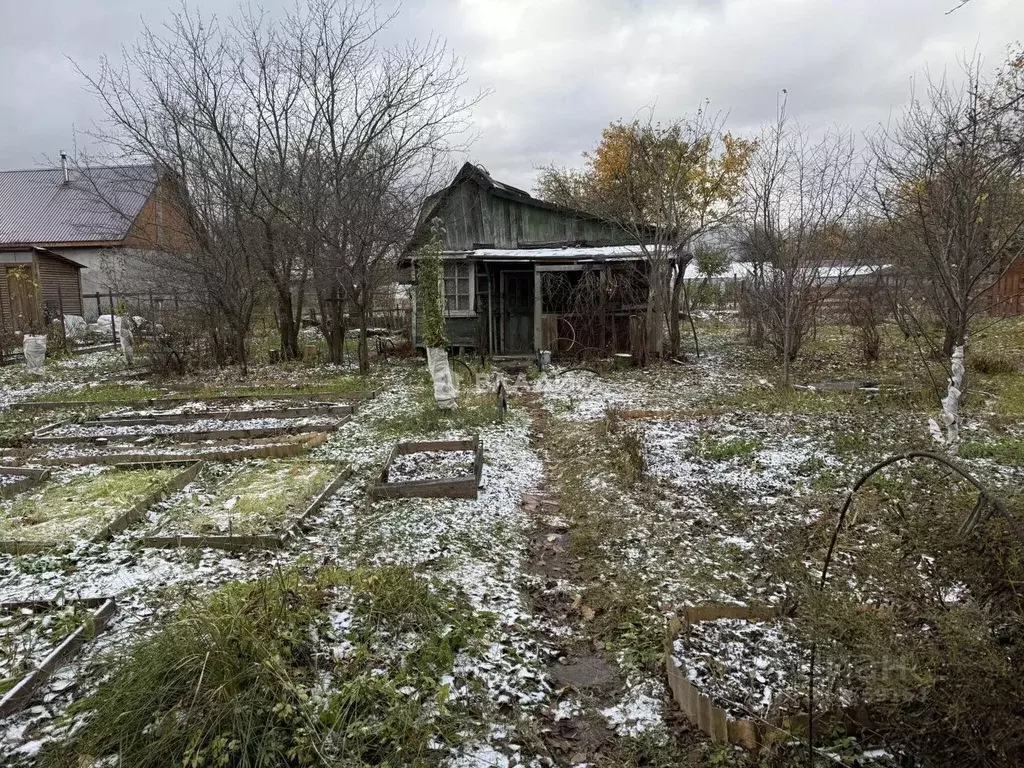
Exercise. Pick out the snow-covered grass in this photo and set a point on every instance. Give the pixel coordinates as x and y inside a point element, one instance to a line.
<point>77,504</point>
<point>308,423</point>
<point>28,634</point>
<point>677,484</point>
<point>755,669</point>
<point>431,465</point>
<point>257,497</point>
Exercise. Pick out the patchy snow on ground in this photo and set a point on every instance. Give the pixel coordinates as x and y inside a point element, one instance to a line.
<point>582,394</point>
<point>639,710</point>
<point>198,426</point>
<point>431,465</point>
<point>754,668</point>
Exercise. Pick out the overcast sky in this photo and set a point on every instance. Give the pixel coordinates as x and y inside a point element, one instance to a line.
<point>560,70</point>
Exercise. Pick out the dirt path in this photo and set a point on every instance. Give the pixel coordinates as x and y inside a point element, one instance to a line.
<point>587,680</point>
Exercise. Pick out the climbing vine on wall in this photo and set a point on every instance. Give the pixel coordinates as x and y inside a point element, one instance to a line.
<point>431,277</point>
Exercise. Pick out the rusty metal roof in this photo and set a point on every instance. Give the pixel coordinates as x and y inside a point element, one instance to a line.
<point>97,204</point>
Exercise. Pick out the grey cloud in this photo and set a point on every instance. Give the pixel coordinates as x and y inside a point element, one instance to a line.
<point>561,70</point>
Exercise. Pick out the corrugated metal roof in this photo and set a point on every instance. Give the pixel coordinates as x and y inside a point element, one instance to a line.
<point>571,253</point>
<point>97,204</point>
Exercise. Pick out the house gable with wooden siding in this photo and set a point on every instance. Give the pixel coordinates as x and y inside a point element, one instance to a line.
<point>499,244</point>
<point>101,218</point>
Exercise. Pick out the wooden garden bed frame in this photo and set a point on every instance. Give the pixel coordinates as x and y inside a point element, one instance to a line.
<point>192,437</point>
<point>326,409</point>
<point>261,448</point>
<point>33,477</point>
<point>129,517</point>
<point>176,400</point>
<point>715,721</point>
<point>274,540</point>
<point>20,695</point>
<point>464,487</point>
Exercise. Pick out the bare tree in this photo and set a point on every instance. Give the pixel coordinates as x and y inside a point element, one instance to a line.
<point>947,182</point>
<point>800,196</point>
<point>305,137</point>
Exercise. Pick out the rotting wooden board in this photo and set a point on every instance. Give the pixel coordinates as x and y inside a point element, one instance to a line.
<point>18,696</point>
<point>174,401</point>
<point>252,541</point>
<point>714,721</point>
<point>259,450</point>
<point>122,521</point>
<point>327,409</point>
<point>33,476</point>
<point>213,434</point>
<point>462,487</point>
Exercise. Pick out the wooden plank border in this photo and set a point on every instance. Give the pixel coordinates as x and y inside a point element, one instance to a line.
<point>289,531</point>
<point>171,402</point>
<point>33,477</point>
<point>127,518</point>
<point>196,437</point>
<point>714,721</point>
<point>326,409</point>
<point>258,450</point>
<point>98,621</point>
<point>463,487</point>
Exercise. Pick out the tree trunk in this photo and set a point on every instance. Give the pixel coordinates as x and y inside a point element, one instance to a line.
<point>656,306</point>
<point>364,341</point>
<point>333,327</point>
<point>287,327</point>
<point>674,335</point>
<point>955,336</point>
<point>688,306</point>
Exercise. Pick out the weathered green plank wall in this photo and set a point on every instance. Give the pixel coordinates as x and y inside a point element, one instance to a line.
<point>473,217</point>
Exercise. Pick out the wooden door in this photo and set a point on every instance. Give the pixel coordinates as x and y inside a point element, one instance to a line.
<point>518,303</point>
<point>21,287</point>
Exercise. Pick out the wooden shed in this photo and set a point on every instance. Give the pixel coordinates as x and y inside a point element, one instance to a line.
<point>1007,293</point>
<point>37,284</point>
<point>522,274</point>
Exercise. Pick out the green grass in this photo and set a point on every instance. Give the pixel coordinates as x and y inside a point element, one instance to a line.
<point>725,450</point>
<point>79,508</point>
<point>229,681</point>
<point>102,392</point>
<point>325,386</point>
<point>778,399</point>
<point>254,499</point>
<point>424,417</point>
<point>1006,450</point>
<point>1009,394</point>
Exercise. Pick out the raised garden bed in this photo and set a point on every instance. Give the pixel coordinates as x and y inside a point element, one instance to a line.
<point>87,505</point>
<point>195,430</point>
<point>14,480</point>
<point>117,453</point>
<point>37,637</point>
<point>741,679</point>
<point>432,469</point>
<point>131,417</point>
<point>256,506</point>
<point>178,400</point>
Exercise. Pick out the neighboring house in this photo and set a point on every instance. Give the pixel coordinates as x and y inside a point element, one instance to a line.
<point>101,218</point>
<point>522,274</point>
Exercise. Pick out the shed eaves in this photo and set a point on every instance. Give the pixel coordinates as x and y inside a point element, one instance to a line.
<point>97,204</point>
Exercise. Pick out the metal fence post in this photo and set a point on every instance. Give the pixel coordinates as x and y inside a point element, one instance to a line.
<point>60,308</point>
<point>113,324</point>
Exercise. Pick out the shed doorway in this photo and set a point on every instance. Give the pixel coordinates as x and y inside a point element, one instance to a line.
<point>517,312</point>
<point>24,297</point>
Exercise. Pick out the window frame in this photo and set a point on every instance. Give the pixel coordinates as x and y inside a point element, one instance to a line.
<point>470,267</point>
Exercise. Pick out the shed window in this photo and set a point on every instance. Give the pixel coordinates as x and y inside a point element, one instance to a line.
<point>458,287</point>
